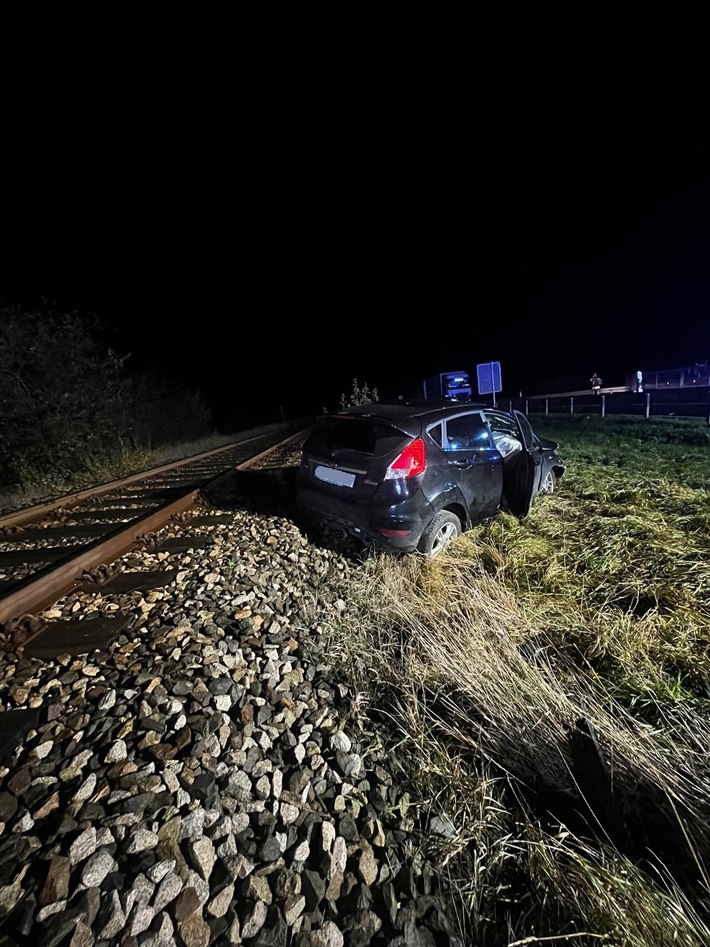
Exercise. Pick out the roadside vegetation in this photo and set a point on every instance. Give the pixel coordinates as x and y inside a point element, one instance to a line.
<point>75,411</point>
<point>359,394</point>
<point>546,687</point>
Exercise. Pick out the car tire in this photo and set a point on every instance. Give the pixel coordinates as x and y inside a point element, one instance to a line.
<point>440,533</point>
<point>549,483</point>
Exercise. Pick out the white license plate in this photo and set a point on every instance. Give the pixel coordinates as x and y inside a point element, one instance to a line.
<point>339,477</point>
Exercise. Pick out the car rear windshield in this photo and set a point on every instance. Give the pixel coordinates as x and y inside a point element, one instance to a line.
<point>362,435</point>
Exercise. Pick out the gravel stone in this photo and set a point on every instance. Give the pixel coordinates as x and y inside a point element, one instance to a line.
<point>201,780</point>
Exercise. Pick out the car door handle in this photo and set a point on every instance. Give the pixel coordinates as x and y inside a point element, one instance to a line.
<point>462,463</point>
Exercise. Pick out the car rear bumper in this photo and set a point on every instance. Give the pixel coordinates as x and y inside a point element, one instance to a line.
<point>389,528</point>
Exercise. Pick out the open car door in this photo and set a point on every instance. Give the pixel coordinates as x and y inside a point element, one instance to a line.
<point>522,472</point>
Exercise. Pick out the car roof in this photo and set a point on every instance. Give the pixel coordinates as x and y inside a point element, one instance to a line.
<point>398,412</point>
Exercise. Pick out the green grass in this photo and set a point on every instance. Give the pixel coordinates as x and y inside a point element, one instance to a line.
<point>481,663</point>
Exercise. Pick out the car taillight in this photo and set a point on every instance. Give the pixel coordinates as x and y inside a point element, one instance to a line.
<point>409,463</point>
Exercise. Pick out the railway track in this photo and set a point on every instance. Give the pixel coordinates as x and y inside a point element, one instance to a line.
<point>81,542</point>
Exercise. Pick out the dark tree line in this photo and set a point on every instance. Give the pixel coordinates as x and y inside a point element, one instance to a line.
<point>69,404</point>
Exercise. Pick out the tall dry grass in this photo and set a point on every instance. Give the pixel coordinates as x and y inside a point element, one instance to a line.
<point>545,686</point>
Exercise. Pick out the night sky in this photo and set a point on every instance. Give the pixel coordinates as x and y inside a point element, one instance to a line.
<point>272,257</point>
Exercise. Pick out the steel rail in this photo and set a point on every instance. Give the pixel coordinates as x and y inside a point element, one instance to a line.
<point>39,510</point>
<point>45,587</point>
<point>41,590</point>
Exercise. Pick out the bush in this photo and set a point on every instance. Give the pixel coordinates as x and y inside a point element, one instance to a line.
<point>359,395</point>
<point>68,403</point>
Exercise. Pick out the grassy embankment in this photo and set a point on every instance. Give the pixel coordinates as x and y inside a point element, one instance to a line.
<point>546,685</point>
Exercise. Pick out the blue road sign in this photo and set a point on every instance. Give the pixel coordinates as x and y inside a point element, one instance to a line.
<point>489,378</point>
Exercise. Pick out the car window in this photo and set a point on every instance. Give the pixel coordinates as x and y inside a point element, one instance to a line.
<point>467,432</point>
<point>526,430</point>
<point>506,435</point>
<point>504,425</point>
<point>361,435</point>
<point>436,433</point>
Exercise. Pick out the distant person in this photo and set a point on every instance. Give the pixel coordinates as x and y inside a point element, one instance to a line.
<point>596,383</point>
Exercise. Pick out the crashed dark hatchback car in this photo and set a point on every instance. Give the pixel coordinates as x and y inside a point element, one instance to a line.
<point>411,477</point>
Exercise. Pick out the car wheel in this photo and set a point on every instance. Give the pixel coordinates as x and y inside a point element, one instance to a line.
<point>442,530</point>
<point>549,483</point>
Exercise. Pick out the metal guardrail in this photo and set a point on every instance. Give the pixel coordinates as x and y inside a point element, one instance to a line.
<point>657,402</point>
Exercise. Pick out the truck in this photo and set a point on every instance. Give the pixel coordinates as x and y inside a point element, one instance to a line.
<point>446,386</point>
